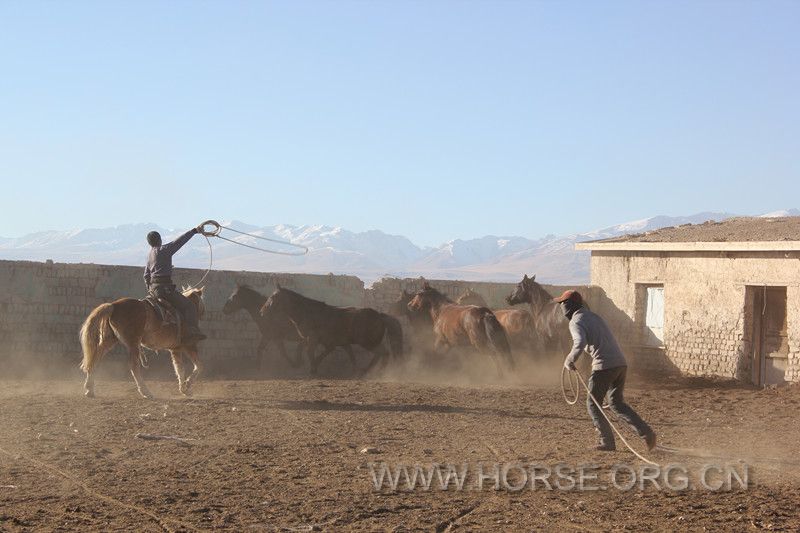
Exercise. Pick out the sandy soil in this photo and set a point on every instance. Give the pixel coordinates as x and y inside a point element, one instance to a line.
<point>287,455</point>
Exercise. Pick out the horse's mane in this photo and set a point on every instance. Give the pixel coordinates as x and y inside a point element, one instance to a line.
<point>304,299</point>
<point>190,291</point>
<point>436,294</point>
<point>540,296</point>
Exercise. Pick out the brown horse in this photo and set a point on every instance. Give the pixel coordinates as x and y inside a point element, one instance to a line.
<point>462,325</point>
<point>134,323</point>
<point>518,323</point>
<point>274,328</point>
<point>551,325</point>
<point>332,327</point>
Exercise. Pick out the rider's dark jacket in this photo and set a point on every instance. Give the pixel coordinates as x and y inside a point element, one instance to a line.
<point>159,260</point>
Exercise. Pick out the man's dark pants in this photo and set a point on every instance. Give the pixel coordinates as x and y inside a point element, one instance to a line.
<point>183,304</point>
<point>612,382</point>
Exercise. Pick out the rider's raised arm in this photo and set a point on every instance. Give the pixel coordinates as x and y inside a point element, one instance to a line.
<point>174,246</point>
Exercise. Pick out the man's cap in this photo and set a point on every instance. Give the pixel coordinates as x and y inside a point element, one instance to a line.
<point>575,296</point>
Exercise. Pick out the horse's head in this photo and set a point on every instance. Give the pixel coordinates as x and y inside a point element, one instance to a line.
<point>523,292</point>
<point>471,297</point>
<point>426,299</point>
<point>241,297</point>
<point>400,306</point>
<point>196,297</point>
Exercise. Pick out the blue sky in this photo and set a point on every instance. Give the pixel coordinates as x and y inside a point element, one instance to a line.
<point>435,120</point>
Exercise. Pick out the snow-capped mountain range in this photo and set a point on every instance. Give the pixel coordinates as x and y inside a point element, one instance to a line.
<point>369,254</point>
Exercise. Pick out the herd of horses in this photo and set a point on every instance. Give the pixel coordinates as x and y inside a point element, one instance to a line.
<point>436,324</point>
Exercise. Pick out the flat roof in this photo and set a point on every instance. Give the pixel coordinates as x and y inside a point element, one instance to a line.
<point>635,246</point>
<point>740,234</point>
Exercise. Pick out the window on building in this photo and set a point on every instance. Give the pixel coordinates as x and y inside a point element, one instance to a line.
<point>650,313</point>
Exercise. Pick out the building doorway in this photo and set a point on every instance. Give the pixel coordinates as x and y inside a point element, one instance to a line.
<point>768,336</point>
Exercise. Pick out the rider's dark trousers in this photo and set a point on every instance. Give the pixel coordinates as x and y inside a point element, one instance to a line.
<point>612,382</point>
<point>183,304</point>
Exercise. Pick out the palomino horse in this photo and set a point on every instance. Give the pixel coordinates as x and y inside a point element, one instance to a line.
<point>332,327</point>
<point>550,323</point>
<point>518,323</point>
<point>462,325</point>
<point>274,328</point>
<point>134,323</point>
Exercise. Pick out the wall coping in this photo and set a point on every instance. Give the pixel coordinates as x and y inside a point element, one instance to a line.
<point>632,246</point>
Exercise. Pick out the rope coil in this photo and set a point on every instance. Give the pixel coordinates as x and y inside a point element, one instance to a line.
<point>216,229</point>
<point>600,407</point>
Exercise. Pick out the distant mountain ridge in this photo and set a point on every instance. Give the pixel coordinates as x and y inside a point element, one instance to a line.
<point>369,254</point>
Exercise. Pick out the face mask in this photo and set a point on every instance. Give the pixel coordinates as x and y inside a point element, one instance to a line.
<point>568,308</point>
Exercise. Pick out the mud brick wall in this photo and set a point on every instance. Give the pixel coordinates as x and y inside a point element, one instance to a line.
<point>42,306</point>
<point>707,329</point>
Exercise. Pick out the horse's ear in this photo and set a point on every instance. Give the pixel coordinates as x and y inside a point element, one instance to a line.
<point>525,277</point>
<point>533,278</point>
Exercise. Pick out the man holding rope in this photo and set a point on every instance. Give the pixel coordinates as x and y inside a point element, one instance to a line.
<point>158,278</point>
<point>591,333</point>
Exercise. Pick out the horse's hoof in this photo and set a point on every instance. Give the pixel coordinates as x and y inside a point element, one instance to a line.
<point>147,395</point>
<point>186,391</point>
<point>89,393</point>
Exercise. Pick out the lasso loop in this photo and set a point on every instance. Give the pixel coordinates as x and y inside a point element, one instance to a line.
<point>573,386</point>
<point>217,228</point>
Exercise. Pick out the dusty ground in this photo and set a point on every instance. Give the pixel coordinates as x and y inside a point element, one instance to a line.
<point>286,455</point>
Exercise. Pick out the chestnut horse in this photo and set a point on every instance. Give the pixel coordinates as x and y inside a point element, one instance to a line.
<point>518,323</point>
<point>274,328</point>
<point>320,323</point>
<point>134,323</point>
<point>462,325</point>
<point>551,326</point>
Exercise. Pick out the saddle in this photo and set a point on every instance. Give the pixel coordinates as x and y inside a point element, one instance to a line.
<point>164,310</point>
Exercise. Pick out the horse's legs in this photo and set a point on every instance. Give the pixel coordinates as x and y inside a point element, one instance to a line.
<point>282,350</point>
<point>378,354</point>
<point>88,384</point>
<point>134,361</point>
<point>177,364</point>
<point>298,355</point>
<point>197,368</point>
<point>316,361</point>
<point>349,349</point>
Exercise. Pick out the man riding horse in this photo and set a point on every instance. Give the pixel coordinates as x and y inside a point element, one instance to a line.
<point>158,279</point>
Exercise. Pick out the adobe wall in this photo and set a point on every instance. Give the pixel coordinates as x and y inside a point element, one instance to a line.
<point>42,306</point>
<point>706,331</point>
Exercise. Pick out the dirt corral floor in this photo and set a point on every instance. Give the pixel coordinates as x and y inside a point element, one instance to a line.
<point>294,455</point>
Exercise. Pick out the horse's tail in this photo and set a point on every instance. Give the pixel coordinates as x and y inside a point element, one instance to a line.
<point>394,333</point>
<point>496,337</point>
<point>96,329</point>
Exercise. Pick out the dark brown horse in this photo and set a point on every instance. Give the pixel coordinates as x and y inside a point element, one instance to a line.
<point>551,325</point>
<point>462,325</point>
<point>332,327</point>
<point>274,328</point>
<point>518,323</point>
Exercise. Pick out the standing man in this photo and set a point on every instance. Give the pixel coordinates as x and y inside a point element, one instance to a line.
<point>158,278</point>
<point>590,332</point>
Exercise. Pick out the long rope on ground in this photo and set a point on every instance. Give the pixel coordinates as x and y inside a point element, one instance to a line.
<point>600,408</point>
